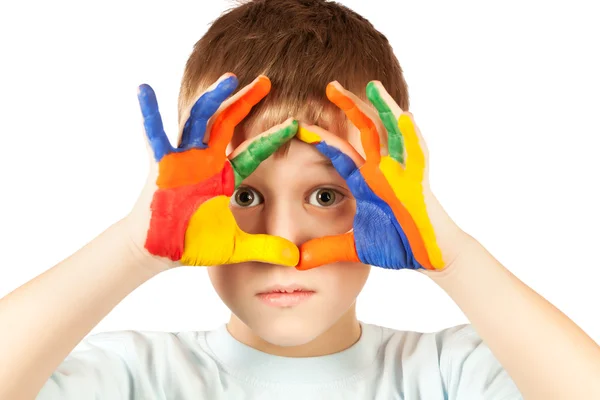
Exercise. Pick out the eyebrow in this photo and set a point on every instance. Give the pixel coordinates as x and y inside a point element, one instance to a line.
<point>326,162</point>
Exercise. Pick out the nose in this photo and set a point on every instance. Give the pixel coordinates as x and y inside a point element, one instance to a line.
<point>288,219</point>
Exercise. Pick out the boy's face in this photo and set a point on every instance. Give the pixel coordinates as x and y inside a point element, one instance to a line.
<point>298,196</point>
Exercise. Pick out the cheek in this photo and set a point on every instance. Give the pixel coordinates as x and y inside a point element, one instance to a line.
<point>249,220</point>
<point>230,280</point>
<point>335,220</point>
<point>342,281</point>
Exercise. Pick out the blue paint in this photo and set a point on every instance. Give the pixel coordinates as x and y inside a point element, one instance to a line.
<point>204,108</point>
<point>378,237</point>
<point>195,126</point>
<point>159,142</point>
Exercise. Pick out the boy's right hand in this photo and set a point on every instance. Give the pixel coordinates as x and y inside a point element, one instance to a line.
<point>183,215</point>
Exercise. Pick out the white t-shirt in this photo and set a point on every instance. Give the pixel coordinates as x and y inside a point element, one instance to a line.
<point>384,364</point>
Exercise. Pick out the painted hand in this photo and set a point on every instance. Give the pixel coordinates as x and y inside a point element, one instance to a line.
<point>190,219</point>
<point>398,222</point>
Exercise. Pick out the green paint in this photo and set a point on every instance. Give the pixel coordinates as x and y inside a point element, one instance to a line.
<point>395,140</point>
<point>258,151</point>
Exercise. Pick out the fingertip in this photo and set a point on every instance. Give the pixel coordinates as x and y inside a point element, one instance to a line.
<point>264,82</point>
<point>307,135</point>
<point>144,90</point>
<point>372,90</point>
<point>290,255</point>
<point>229,83</point>
<point>292,123</point>
<point>226,76</point>
<point>340,97</point>
<point>305,263</point>
<point>291,129</point>
<point>332,91</point>
<point>264,78</point>
<point>405,119</point>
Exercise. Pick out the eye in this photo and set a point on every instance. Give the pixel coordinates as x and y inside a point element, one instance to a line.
<point>325,197</point>
<point>245,197</point>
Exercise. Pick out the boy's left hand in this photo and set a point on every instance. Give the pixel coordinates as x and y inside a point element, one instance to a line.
<point>399,223</point>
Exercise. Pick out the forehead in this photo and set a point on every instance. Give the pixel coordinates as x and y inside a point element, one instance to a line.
<point>346,131</point>
<point>351,135</point>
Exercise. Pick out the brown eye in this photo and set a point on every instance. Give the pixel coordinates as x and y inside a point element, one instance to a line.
<point>325,197</point>
<point>245,197</point>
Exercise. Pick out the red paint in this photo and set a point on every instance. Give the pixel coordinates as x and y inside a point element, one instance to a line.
<point>173,208</point>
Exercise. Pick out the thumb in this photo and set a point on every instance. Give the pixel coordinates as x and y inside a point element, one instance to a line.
<point>327,250</point>
<point>264,248</point>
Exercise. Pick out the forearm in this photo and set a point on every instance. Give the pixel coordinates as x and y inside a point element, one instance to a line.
<point>43,320</point>
<point>547,355</point>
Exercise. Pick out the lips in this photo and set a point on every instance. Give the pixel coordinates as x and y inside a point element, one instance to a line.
<point>285,296</point>
<point>285,289</point>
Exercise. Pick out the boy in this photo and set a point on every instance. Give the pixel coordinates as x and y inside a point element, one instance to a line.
<point>293,331</point>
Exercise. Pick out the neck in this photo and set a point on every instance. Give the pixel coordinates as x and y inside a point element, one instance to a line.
<point>343,334</point>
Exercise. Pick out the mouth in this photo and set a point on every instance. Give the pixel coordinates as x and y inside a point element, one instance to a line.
<point>285,296</point>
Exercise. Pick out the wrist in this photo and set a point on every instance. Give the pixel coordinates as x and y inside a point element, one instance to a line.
<point>463,247</point>
<point>451,240</point>
<point>140,260</point>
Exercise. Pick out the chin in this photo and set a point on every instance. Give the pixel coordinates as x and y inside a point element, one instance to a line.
<point>287,331</point>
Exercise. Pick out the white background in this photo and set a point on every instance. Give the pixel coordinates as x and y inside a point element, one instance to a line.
<point>506,95</point>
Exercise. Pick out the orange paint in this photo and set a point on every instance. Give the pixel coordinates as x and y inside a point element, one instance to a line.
<point>327,250</point>
<point>381,187</point>
<point>374,176</point>
<point>368,130</point>
<point>189,167</point>
<point>224,125</point>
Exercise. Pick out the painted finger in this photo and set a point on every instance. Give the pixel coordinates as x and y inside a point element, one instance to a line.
<point>248,156</point>
<point>389,112</point>
<point>416,150</point>
<point>264,248</point>
<point>204,108</point>
<point>157,138</point>
<point>344,163</point>
<point>327,250</point>
<point>313,134</point>
<point>236,109</point>
<point>362,117</point>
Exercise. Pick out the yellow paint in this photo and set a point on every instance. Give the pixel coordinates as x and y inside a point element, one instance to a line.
<point>407,184</point>
<point>415,159</point>
<point>307,136</point>
<point>214,238</point>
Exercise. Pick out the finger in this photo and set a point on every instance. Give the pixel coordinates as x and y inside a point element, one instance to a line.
<point>248,156</point>
<point>238,108</point>
<point>203,109</point>
<point>264,248</point>
<point>363,118</point>
<point>389,112</point>
<point>327,250</point>
<point>157,138</point>
<point>416,150</point>
<point>343,156</point>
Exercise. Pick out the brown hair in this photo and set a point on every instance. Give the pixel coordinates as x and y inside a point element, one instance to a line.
<point>301,45</point>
